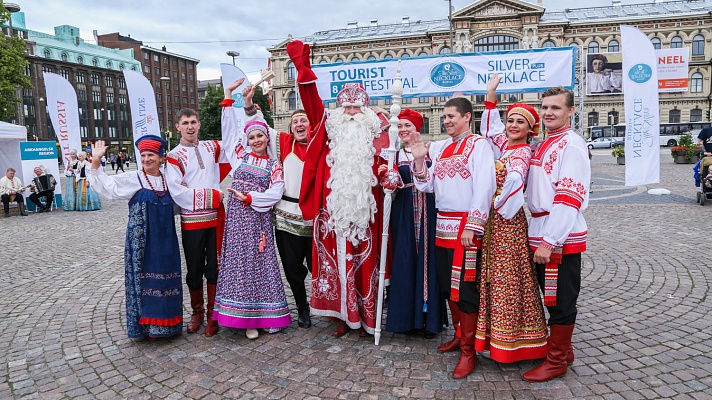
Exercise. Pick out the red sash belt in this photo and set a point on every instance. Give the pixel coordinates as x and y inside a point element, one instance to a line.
<point>462,253</point>
<point>540,214</point>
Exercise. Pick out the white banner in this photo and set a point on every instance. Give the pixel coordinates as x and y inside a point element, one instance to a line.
<point>230,74</point>
<point>64,113</point>
<point>142,100</point>
<point>673,69</point>
<point>532,70</point>
<point>642,135</point>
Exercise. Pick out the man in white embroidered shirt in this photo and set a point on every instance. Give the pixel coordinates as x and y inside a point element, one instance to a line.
<point>557,194</point>
<point>462,176</point>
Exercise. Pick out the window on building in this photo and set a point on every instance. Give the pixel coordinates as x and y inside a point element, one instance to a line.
<point>405,55</point>
<point>696,115</point>
<point>182,64</point>
<point>424,99</point>
<point>696,83</point>
<point>407,100</point>
<point>425,130</point>
<point>422,54</point>
<point>64,56</point>
<point>445,50</point>
<point>174,61</point>
<point>95,79</point>
<point>175,86</point>
<point>355,59</point>
<point>165,60</point>
<point>292,100</point>
<point>592,119</point>
<point>175,74</point>
<point>442,125</point>
<point>166,72</point>
<point>158,84</point>
<point>183,87</point>
<point>291,71</point>
<point>676,43</point>
<point>371,57</point>
<point>182,75</point>
<point>674,116</point>
<point>122,83</point>
<point>64,73</point>
<point>47,54</point>
<point>95,62</point>
<point>373,102</point>
<point>339,60</point>
<point>122,67</point>
<point>108,64</point>
<point>191,89</point>
<point>657,44</point>
<point>185,99</point>
<point>46,69</point>
<point>192,100</point>
<point>191,77</point>
<point>109,80</point>
<point>157,71</point>
<point>496,43</point>
<point>548,44</point>
<point>387,57</point>
<point>613,118</point>
<point>133,68</point>
<point>122,98</point>
<point>96,96</point>
<point>79,77</point>
<point>147,69</point>
<point>155,57</point>
<point>614,46</point>
<point>175,99</point>
<point>698,45</point>
<point>593,47</point>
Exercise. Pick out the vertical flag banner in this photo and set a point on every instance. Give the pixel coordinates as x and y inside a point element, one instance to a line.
<point>230,74</point>
<point>642,135</point>
<point>142,99</point>
<point>64,113</point>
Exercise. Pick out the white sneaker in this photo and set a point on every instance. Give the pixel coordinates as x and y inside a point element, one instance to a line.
<point>252,334</point>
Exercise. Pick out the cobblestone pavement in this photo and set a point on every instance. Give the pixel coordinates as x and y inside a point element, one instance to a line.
<point>643,329</point>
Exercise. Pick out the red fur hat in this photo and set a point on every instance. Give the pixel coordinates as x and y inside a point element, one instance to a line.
<point>413,116</point>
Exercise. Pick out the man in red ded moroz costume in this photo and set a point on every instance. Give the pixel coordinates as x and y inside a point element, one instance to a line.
<point>340,194</point>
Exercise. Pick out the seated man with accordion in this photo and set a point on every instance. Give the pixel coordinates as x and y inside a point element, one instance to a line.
<point>42,186</point>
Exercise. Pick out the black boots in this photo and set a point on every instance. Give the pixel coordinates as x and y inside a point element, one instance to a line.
<point>303,318</point>
<point>23,212</point>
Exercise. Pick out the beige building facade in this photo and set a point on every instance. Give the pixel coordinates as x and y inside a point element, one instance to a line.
<point>496,25</point>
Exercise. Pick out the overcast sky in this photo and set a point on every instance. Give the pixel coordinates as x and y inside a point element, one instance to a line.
<point>207,30</point>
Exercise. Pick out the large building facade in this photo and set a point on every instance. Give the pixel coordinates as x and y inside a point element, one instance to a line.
<point>95,73</point>
<point>495,25</point>
<point>174,77</point>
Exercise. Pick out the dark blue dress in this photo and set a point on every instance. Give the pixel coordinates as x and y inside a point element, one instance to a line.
<point>154,291</point>
<point>413,216</point>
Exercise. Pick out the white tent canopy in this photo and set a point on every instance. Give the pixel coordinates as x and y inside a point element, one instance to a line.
<point>10,138</point>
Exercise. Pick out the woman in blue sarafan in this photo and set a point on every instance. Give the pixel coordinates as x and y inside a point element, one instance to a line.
<point>414,301</point>
<point>154,296</point>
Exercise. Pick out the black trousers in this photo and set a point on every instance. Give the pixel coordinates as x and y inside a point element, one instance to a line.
<point>469,291</point>
<point>47,194</point>
<point>201,257</point>
<point>6,201</point>
<point>119,165</point>
<point>567,291</point>
<point>293,251</point>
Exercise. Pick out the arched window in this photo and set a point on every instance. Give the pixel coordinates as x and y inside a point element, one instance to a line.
<point>657,44</point>
<point>292,100</point>
<point>355,59</point>
<point>442,125</point>
<point>445,50</point>
<point>323,61</point>
<point>371,57</point>
<point>495,43</point>
<point>696,115</point>
<point>95,62</point>
<point>405,55</point>
<point>698,45</point>
<point>47,54</point>
<point>387,57</point>
<point>674,116</point>
<point>548,44</point>
<point>80,60</point>
<point>614,46</point>
<point>425,130</point>
<point>122,67</point>
<point>339,60</point>
<point>291,71</point>
<point>108,64</point>
<point>422,54</point>
<point>676,43</point>
<point>64,56</point>
<point>696,83</point>
<point>592,119</point>
<point>593,47</point>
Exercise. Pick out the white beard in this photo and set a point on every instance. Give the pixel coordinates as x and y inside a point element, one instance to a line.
<point>351,204</point>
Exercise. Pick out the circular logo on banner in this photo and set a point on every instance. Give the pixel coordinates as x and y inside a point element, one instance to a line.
<point>448,74</point>
<point>640,73</point>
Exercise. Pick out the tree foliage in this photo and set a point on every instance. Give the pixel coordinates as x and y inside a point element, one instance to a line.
<point>210,111</point>
<point>12,69</point>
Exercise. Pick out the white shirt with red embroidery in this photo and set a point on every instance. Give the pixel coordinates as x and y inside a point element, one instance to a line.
<point>558,189</point>
<point>462,178</point>
<point>516,159</point>
<point>198,167</point>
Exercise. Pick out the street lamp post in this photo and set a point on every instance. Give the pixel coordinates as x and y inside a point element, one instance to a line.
<point>449,18</point>
<point>165,81</point>
<point>233,54</point>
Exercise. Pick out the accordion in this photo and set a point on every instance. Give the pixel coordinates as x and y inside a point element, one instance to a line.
<point>43,183</point>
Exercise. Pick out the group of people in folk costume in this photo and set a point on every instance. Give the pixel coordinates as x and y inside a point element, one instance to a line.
<point>79,195</point>
<point>459,233</point>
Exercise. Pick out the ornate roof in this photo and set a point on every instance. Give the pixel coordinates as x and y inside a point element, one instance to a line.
<point>628,11</point>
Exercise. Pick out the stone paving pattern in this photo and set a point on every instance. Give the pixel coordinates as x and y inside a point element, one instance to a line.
<point>643,329</point>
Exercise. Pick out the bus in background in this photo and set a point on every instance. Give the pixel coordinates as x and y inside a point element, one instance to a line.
<point>669,132</point>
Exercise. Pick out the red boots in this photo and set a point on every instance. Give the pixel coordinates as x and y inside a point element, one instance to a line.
<point>212,327</point>
<point>453,344</point>
<point>468,357</point>
<point>196,303</point>
<point>560,351</point>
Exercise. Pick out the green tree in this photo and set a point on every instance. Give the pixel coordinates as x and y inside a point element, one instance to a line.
<point>12,69</point>
<point>210,111</point>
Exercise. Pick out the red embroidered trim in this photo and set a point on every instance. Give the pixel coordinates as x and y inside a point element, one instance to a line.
<point>161,321</point>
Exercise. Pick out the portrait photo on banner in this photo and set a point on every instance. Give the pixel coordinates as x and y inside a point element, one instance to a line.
<point>604,73</point>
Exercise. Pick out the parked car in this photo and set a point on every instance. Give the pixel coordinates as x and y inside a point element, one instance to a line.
<point>619,142</point>
<point>600,143</point>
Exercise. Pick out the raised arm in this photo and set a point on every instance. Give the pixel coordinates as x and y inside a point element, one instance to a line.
<point>306,78</point>
<point>491,126</point>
